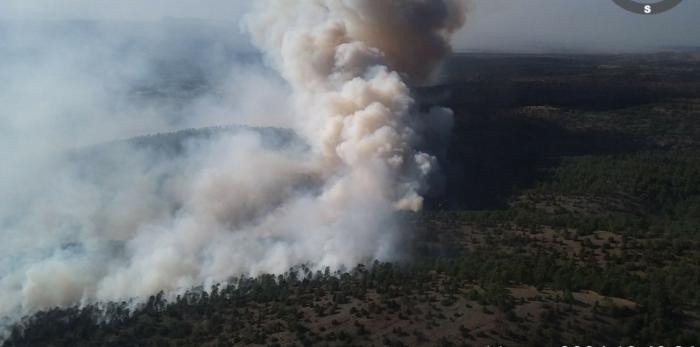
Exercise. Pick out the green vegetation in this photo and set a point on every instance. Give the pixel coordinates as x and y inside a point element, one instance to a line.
<point>574,222</point>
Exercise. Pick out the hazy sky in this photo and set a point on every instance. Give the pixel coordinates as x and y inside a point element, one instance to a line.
<point>597,25</point>
<point>503,25</point>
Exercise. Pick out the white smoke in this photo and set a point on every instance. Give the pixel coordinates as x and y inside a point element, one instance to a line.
<point>232,204</point>
<point>344,59</point>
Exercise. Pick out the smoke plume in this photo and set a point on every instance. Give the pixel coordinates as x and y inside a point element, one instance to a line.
<point>122,220</point>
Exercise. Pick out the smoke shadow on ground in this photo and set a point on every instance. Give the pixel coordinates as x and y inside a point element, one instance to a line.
<point>495,149</point>
<point>491,157</point>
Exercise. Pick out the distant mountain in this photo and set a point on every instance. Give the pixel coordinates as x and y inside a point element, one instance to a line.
<point>105,162</point>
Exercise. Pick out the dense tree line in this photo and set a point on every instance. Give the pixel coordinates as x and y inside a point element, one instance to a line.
<point>199,314</point>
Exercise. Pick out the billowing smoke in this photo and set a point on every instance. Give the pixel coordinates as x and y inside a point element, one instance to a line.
<point>125,220</point>
<point>344,61</point>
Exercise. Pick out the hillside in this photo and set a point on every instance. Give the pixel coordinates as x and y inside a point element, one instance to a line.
<point>570,216</point>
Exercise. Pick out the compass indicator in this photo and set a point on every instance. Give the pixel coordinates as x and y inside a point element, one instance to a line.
<point>646,7</point>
